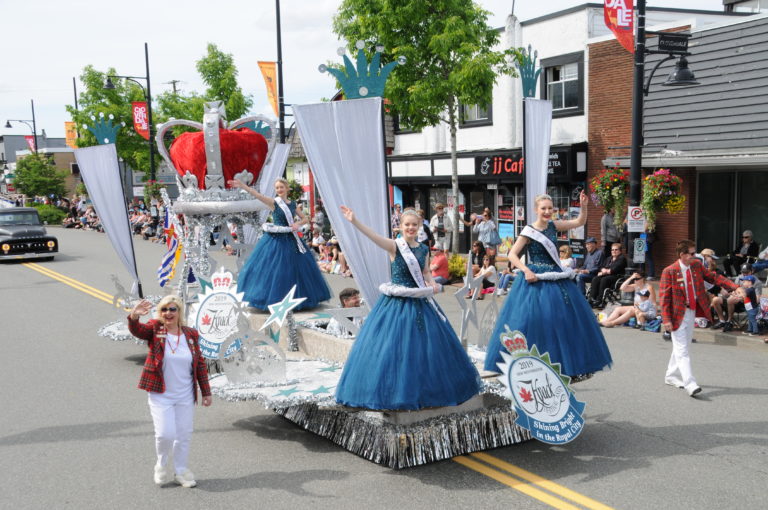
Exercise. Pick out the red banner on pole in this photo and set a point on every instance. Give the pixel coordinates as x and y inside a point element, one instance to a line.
<point>620,19</point>
<point>31,142</point>
<point>140,119</point>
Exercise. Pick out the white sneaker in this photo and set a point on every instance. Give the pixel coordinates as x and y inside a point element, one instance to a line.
<point>186,479</point>
<point>673,381</point>
<point>693,389</point>
<point>161,474</point>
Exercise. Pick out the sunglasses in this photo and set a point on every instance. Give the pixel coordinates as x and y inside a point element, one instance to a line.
<point>169,309</point>
<point>692,253</point>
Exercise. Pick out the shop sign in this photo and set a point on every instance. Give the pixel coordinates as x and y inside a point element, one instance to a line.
<point>512,164</point>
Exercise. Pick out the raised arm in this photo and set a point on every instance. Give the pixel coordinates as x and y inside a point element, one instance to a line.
<point>269,202</point>
<point>387,244</point>
<point>563,225</point>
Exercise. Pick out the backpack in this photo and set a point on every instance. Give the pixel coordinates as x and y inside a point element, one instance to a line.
<point>654,326</point>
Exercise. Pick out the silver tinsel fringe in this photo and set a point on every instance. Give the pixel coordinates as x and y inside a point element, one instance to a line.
<point>402,446</point>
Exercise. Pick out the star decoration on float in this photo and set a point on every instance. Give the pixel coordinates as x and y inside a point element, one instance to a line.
<point>279,311</point>
<point>287,392</point>
<point>468,310</point>
<point>332,368</point>
<point>319,390</point>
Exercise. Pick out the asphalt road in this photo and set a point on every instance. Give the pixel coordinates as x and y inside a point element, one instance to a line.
<point>76,433</point>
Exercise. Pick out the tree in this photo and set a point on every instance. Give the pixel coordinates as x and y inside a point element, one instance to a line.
<point>450,61</point>
<point>37,176</point>
<point>95,100</point>
<point>217,70</point>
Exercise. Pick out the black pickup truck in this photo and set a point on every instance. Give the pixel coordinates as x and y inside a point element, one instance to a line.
<point>23,236</point>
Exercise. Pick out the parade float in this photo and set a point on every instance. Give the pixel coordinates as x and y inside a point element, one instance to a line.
<point>293,369</point>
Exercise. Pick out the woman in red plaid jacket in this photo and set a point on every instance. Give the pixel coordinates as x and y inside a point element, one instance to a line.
<point>172,372</point>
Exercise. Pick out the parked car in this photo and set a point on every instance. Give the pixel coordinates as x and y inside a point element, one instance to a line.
<point>23,236</point>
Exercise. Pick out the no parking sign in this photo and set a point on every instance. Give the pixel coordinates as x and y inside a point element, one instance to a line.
<point>635,219</point>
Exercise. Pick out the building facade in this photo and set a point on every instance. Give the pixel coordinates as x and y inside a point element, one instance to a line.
<point>489,139</point>
<point>714,135</point>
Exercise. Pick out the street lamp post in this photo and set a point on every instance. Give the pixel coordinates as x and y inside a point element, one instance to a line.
<point>33,127</point>
<point>148,96</point>
<point>280,98</point>
<point>682,76</point>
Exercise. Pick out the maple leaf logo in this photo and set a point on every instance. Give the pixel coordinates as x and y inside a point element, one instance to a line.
<point>206,320</point>
<point>525,395</point>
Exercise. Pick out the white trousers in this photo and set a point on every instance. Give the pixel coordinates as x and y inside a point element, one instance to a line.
<point>443,243</point>
<point>173,429</point>
<point>680,361</point>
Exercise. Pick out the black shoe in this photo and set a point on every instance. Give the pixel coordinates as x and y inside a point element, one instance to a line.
<point>667,336</point>
<point>718,325</point>
<point>693,340</point>
<point>727,327</point>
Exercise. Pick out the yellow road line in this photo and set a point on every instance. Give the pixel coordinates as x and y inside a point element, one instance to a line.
<point>515,483</point>
<point>82,287</point>
<point>543,482</point>
<point>33,265</point>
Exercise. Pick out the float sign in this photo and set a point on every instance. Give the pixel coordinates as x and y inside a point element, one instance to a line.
<point>541,395</point>
<point>216,316</point>
<point>635,219</point>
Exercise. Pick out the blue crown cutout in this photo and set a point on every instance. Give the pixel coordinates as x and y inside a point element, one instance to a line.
<point>258,127</point>
<point>365,80</point>
<point>529,75</point>
<point>104,130</point>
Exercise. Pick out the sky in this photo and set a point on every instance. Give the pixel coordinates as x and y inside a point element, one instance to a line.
<point>48,42</point>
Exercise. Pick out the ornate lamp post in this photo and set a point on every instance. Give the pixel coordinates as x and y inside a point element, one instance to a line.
<point>673,45</point>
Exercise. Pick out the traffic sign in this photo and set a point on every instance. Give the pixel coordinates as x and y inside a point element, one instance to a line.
<point>635,219</point>
<point>639,251</point>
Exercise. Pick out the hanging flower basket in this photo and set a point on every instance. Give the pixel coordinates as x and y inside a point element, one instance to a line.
<point>661,191</point>
<point>609,189</point>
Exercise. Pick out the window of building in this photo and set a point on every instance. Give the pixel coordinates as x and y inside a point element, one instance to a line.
<point>563,84</point>
<point>475,115</point>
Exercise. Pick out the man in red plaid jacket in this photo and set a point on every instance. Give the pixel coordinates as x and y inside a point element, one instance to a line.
<point>682,298</point>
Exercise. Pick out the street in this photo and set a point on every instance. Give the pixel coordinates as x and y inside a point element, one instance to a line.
<point>76,433</point>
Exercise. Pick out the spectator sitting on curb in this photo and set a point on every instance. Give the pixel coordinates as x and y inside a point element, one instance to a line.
<point>734,302</point>
<point>439,268</point>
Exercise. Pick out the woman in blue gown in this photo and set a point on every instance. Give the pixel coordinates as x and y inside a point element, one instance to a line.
<point>280,259</point>
<point>407,355</point>
<point>550,311</point>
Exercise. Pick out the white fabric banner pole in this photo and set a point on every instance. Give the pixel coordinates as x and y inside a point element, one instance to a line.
<point>101,174</point>
<point>536,137</point>
<point>273,169</point>
<point>344,143</point>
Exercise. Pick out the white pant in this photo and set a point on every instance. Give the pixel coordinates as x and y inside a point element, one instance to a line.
<point>680,362</point>
<point>443,243</point>
<point>173,429</point>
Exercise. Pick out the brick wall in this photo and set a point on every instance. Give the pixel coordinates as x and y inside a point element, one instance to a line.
<point>610,125</point>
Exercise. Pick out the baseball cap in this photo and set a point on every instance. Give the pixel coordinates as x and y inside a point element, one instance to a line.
<point>709,252</point>
<point>749,278</point>
<point>590,240</point>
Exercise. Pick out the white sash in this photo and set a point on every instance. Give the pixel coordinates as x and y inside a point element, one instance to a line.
<point>534,234</point>
<point>289,218</point>
<point>415,270</point>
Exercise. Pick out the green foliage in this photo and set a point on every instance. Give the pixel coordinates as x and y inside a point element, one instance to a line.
<point>457,266</point>
<point>218,71</point>
<point>37,176</point>
<point>294,190</point>
<point>152,190</point>
<point>49,214</point>
<point>80,189</point>
<point>95,99</point>
<point>448,46</point>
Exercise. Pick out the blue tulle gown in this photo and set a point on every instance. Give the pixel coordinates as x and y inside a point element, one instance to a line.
<point>405,356</point>
<point>276,265</point>
<point>553,315</point>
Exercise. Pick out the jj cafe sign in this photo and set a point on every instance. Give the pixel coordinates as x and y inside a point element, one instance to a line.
<point>512,163</point>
